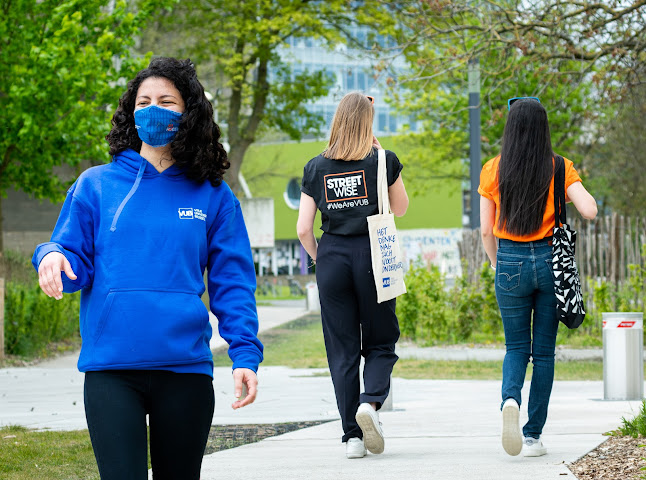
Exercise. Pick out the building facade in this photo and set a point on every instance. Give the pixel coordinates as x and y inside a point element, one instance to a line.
<point>350,69</point>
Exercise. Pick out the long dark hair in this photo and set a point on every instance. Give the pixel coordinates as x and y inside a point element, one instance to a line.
<point>196,147</point>
<point>525,170</point>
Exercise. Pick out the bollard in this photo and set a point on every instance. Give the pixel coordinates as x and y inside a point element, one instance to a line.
<point>313,302</point>
<point>387,406</point>
<point>623,355</point>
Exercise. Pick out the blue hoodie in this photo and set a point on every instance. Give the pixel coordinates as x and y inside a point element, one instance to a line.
<point>139,242</point>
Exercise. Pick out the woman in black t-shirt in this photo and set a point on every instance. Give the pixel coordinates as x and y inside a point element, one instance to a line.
<point>342,184</point>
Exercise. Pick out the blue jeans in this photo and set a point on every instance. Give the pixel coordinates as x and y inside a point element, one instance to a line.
<point>525,294</point>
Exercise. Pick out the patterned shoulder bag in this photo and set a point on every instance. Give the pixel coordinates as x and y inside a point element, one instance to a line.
<point>567,285</point>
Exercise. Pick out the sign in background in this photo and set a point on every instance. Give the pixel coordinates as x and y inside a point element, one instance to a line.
<point>433,246</point>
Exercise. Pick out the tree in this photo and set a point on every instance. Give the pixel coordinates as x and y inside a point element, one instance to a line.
<point>62,71</point>
<point>608,33</point>
<point>438,39</point>
<point>618,158</point>
<point>236,46</point>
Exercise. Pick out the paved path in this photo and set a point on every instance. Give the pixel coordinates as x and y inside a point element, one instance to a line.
<point>439,429</point>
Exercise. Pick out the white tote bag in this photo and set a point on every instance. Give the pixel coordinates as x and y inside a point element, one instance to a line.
<point>387,265</point>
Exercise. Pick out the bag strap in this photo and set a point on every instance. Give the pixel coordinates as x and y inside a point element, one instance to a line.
<point>560,215</point>
<point>383,202</point>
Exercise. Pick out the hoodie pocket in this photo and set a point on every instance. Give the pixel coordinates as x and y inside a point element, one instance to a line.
<point>151,327</point>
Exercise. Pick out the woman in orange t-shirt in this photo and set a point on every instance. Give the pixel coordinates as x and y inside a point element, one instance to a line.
<point>517,218</point>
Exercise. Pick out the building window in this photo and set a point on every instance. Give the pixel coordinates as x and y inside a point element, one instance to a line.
<point>350,80</point>
<point>361,37</point>
<point>381,126</point>
<point>361,81</point>
<point>412,124</point>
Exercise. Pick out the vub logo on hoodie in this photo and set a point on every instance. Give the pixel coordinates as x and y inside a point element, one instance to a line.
<point>186,213</point>
<point>191,213</point>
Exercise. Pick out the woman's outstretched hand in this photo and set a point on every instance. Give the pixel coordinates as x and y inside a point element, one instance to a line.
<point>49,274</point>
<point>248,378</point>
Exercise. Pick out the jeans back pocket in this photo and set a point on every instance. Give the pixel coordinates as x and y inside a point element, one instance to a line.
<point>508,274</point>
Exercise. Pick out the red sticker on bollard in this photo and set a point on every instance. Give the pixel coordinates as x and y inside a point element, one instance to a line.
<point>626,324</point>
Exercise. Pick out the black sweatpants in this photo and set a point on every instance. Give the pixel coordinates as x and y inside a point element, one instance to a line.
<point>180,408</point>
<point>354,325</point>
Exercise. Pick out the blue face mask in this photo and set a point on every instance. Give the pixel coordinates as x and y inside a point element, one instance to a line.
<point>157,126</point>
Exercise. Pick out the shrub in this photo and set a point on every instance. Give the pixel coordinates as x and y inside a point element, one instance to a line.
<point>430,313</point>
<point>33,320</point>
<point>608,297</point>
<point>637,426</point>
<point>16,267</point>
<point>422,311</point>
<point>476,306</point>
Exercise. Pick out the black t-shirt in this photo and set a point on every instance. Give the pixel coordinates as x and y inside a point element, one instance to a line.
<point>346,191</point>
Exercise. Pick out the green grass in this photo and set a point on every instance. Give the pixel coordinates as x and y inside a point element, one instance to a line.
<point>299,344</point>
<point>578,338</point>
<point>474,370</point>
<point>281,292</point>
<point>29,455</point>
<point>268,168</point>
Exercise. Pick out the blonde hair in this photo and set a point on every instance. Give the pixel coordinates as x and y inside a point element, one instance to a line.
<point>351,132</point>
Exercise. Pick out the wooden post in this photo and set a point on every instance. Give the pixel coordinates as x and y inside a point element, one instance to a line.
<point>1,317</point>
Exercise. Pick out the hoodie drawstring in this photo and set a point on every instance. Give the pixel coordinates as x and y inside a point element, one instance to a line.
<point>132,191</point>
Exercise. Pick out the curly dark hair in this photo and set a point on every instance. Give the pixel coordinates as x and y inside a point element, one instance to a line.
<point>196,147</point>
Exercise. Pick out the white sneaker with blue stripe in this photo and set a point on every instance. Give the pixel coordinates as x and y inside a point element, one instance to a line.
<point>533,447</point>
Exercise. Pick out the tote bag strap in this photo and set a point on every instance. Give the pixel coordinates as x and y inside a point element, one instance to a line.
<point>383,202</point>
<point>560,214</point>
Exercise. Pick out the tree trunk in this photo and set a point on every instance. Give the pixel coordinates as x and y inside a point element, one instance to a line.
<point>1,238</point>
<point>236,155</point>
<point>242,134</point>
<point>2,352</point>
<point>2,275</point>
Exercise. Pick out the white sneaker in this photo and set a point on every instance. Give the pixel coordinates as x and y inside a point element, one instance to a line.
<point>354,448</point>
<point>533,447</point>
<point>368,420</point>
<point>512,439</point>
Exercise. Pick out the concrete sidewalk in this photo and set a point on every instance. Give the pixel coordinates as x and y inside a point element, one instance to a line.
<point>438,429</point>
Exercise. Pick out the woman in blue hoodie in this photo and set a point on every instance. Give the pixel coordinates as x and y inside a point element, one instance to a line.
<point>135,236</point>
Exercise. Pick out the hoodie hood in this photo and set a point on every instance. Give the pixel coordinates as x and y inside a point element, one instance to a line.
<point>132,162</point>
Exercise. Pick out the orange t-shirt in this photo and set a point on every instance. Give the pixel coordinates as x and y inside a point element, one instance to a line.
<point>489,189</point>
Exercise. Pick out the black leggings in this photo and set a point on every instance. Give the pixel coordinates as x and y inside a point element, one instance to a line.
<point>180,408</point>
